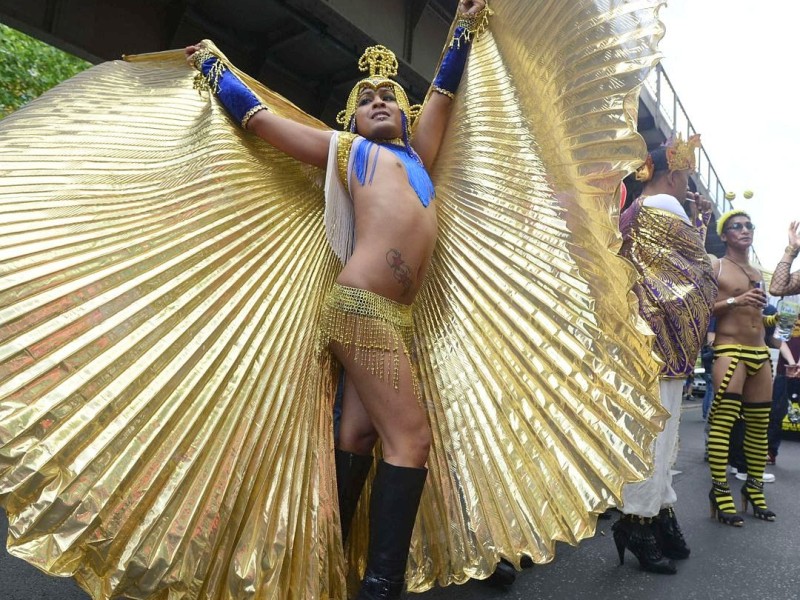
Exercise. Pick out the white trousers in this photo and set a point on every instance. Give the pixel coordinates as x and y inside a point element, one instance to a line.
<point>648,497</point>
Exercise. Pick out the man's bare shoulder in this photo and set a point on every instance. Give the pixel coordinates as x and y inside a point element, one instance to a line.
<point>714,264</point>
<point>728,280</point>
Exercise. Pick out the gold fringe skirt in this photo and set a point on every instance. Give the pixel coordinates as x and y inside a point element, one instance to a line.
<point>372,329</point>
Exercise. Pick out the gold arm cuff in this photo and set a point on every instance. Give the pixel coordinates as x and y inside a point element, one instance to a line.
<point>210,81</point>
<point>443,91</point>
<point>791,251</point>
<point>201,56</point>
<point>473,25</point>
<point>249,114</point>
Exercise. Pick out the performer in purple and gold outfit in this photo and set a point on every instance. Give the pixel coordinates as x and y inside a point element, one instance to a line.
<point>665,241</point>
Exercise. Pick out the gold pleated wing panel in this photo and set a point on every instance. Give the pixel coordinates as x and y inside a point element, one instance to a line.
<point>165,422</point>
<point>540,379</point>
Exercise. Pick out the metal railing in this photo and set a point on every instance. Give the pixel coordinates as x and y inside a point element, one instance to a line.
<point>670,118</point>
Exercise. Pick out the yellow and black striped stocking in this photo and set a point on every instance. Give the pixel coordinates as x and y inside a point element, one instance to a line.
<point>756,420</point>
<point>727,409</point>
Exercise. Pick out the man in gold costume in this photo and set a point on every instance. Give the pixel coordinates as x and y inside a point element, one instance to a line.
<point>174,290</point>
<point>664,233</point>
<point>379,195</point>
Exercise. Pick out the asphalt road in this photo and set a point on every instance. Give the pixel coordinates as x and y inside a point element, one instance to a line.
<point>758,561</point>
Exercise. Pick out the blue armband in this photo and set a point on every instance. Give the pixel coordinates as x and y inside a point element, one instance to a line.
<point>451,68</point>
<point>238,99</point>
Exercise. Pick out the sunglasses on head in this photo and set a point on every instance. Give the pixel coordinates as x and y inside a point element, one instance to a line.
<point>739,226</point>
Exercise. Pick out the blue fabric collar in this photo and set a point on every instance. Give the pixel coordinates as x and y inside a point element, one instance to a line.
<point>418,177</point>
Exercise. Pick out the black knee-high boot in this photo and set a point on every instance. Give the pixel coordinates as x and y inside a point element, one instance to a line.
<point>351,473</point>
<point>396,492</point>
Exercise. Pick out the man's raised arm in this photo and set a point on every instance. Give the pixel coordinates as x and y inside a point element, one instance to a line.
<point>306,144</point>
<point>471,19</point>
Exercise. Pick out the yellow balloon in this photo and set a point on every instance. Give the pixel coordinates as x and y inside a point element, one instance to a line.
<point>730,195</point>
<point>748,194</point>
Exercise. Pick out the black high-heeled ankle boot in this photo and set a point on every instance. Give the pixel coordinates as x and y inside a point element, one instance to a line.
<point>351,473</point>
<point>637,534</point>
<point>753,491</point>
<point>396,492</point>
<point>722,506</point>
<point>669,535</point>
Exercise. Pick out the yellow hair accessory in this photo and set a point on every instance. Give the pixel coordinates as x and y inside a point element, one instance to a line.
<point>382,66</point>
<point>724,218</point>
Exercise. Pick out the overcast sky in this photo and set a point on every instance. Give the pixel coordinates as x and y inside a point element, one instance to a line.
<point>733,64</point>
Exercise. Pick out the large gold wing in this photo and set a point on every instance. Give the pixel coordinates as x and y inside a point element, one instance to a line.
<point>541,385</point>
<point>165,422</point>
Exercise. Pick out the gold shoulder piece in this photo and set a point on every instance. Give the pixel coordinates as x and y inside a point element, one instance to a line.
<point>345,144</point>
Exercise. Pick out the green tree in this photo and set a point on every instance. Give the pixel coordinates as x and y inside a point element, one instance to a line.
<point>29,68</point>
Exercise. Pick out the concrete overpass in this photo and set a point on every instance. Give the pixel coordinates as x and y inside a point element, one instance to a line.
<point>306,50</point>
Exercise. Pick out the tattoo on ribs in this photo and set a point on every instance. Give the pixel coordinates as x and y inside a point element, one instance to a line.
<point>400,270</point>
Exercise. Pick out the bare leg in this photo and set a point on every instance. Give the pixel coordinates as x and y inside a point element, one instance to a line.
<point>758,388</point>
<point>395,415</point>
<point>356,432</point>
<point>402,426</point>
<point>736,383</point>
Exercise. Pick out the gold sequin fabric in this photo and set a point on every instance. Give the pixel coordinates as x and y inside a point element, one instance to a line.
<point>677,287</point>
<point>343,156</point>
<point>165,417</point>
<point>374,330</point>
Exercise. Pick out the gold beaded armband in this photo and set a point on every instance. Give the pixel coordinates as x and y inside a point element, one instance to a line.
<point>441,90</point>
<point>471,26</point>
<point>207,82</point>
<point>237,98</point>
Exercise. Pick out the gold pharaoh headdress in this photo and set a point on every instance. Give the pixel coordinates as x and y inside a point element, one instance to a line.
<point>676,155</point>
<point>382,66</point>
